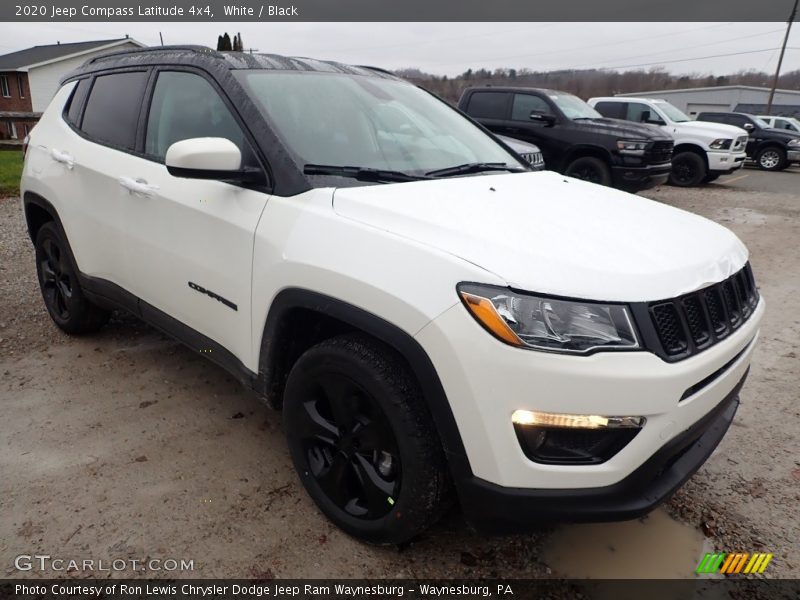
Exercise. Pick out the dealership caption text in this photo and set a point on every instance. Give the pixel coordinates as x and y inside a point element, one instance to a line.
<point>200,12</point>
<point>274,590</point>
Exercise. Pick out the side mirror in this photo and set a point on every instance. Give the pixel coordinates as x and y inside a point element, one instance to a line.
<point>209,158</point>
<point>545,118</point>
<point>645,116</point>
<point>749,127</point>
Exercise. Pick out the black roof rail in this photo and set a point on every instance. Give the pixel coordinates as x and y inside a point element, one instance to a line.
<point>187,48</point>
<point>378,69</point>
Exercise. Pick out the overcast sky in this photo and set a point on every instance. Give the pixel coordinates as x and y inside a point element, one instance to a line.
<point>451,48</point>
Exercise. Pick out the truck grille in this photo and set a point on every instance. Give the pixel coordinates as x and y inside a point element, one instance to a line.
<point>661,151</point>
<point>689,324</point>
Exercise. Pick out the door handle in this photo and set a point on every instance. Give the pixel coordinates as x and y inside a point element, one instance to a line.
<point>62,157</point>
<point>138,186</point>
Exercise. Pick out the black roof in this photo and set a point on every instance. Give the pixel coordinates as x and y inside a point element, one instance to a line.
<point>201,55</point>
<point>37,54</point>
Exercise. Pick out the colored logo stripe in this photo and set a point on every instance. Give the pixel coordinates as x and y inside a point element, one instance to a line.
<point>735,562</point>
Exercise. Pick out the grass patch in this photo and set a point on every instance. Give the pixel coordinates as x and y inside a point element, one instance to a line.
<point>10,172</point>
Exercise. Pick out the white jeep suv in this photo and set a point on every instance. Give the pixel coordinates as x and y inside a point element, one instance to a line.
<point>435,320</point>
<point>703,151</point>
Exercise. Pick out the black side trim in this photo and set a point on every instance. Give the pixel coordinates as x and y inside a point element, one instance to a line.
<point>109,294</point>
<point>390,334</point>
<point>493,508</point>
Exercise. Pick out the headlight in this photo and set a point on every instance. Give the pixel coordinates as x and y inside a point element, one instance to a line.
<point>529,321</point>
<point>720,144</point>
<point>794,143</point>
<point>635,147</point>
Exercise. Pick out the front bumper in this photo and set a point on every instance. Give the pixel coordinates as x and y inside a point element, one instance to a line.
<point>485,381</point>
<point>640,178</point>
<point>492,508</point>
<point>725,162</point>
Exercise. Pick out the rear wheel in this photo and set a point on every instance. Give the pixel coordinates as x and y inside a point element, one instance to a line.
<point>363,442</point>
<point>589,169</point>
<point>771,158</point>
<point>61,291</point>
<point>688,170</point>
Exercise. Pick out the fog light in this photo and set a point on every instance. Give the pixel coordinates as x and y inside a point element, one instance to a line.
<point>543,419</point>
<point>566,439</point>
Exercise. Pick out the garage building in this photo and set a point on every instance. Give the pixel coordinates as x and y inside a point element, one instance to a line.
<point>727,98</point>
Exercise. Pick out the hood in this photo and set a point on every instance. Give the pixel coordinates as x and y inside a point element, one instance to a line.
<point>782,134</point>
<point>622,129</point>
<point>718,130</point>
<point>547,233</point>
<point>519,146</point>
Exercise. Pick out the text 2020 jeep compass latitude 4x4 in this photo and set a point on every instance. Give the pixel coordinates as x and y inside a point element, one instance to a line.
<point>429,314</point>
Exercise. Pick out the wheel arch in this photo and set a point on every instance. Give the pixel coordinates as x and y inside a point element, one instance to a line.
<point>584,151</point>
<point>39,211</point>
<point>299,318</point>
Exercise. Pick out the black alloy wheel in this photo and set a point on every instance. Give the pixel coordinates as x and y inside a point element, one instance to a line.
<point>363,441</point>
<point>591,169</point>
<point>688,170</point>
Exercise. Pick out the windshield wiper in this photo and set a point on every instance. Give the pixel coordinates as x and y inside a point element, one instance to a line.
<point>360,173</point>
<point>473,168</point>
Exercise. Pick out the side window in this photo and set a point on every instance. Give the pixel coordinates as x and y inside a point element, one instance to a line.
<point>112,110</point>
<point>186,106</point>
<point>611,110</point>
<point>488,105</point>
<point>525,104</point>
<point>737,120</point>
<point>75,102</point>
<point>641,113</point>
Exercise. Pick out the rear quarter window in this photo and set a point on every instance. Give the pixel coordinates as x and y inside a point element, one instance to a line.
<point>488,105</point>
<point>73,113</point>
<point>112,110</point>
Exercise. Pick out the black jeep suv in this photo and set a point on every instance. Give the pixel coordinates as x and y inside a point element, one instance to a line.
<point>771,149</point>
<point>575,139</point>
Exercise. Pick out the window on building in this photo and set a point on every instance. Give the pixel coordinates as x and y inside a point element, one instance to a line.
<point>4,89</point>
<point>11,127</point>
<point>21,85</point>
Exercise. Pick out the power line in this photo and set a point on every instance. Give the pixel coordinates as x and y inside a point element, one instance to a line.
<point>665,62</point>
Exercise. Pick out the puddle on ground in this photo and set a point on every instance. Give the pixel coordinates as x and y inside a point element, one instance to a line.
<point>654,547</point>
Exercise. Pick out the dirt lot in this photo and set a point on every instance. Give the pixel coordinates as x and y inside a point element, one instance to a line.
<point>127,445</point>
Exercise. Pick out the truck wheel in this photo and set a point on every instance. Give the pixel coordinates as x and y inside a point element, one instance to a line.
<point>362,440</point>
<point>589,169</point>
<point>771,158</point>
<point>58,281</point>
<point>688,169</point>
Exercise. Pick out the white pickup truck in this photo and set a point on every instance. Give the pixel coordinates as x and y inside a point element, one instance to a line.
<point>703,151</point>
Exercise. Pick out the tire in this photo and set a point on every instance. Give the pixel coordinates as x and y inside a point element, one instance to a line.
<point>58,282</point>
<point>711,177</point>
<point>688,169</point>
<point>771,158</point>
<point>384,480</point>
<point>591,169</point>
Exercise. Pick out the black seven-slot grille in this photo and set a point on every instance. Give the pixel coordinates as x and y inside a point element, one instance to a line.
<point>684,326</point>
<point>661,151</point>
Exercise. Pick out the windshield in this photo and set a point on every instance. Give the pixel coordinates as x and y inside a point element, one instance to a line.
<point>573,107</point>
<point>368,122</point>
<point>673,114</point>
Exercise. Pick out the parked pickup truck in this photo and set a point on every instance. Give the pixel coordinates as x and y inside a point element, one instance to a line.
<point>703,151</point>
<point>771,149</point>
<point>575,139</point>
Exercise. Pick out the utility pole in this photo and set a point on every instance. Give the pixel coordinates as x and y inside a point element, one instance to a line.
<point>162,38</point>
<point>780,58</point>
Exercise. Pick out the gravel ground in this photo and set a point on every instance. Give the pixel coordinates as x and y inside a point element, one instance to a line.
<point>127,445</point>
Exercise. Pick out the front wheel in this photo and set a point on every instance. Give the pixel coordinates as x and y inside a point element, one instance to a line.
<point>771,158</point>
<point>688,170</point>
<point>363,442</point>
<point>589,169</point>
